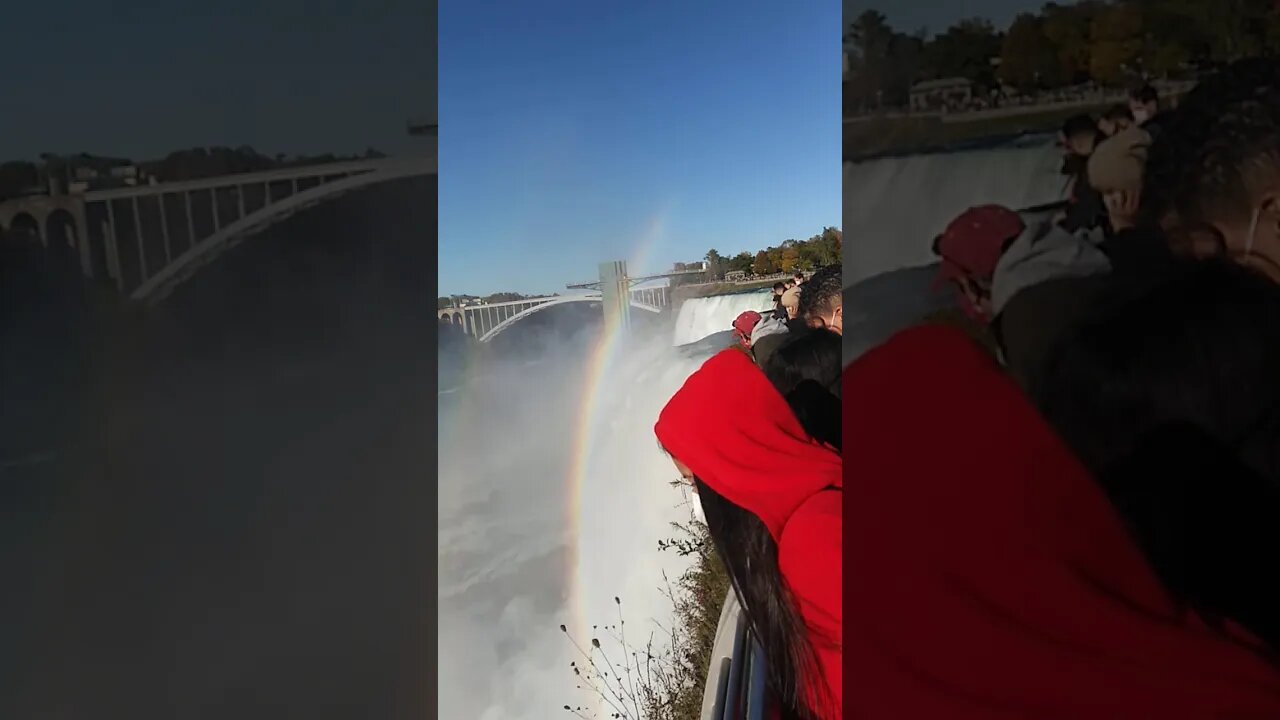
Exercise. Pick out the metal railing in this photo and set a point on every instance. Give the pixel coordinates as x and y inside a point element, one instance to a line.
<point>737,677</point>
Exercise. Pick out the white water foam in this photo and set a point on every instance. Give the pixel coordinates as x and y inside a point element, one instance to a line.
<point>894,207</point>
<point>507,446</point>
<point>700,317</point>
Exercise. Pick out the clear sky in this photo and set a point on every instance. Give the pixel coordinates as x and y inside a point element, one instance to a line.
<point>938,15</point>
<point>139,79</point>
<point>574,132</point>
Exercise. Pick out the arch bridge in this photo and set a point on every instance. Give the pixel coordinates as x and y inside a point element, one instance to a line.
<point>148,239</point>
<point>485,322</point>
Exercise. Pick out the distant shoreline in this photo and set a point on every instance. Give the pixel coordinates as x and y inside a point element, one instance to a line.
<point>898,135</point>
<point>875,138</point>
<point>686,292</point>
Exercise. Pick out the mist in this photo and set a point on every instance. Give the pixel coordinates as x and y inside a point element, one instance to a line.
<point>220,507</point>
<point>509,526</point>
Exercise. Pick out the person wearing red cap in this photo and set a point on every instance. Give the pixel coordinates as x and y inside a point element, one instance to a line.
<point>743,325</point>
<point>970,248</point>
<point>994,579</point>
<point>772,500</point>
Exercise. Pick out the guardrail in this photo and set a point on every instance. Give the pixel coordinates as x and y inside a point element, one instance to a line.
<point>736,687</point>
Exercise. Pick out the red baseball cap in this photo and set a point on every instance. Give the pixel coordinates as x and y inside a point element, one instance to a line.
<point>973,243</point>
<point>746,322</point>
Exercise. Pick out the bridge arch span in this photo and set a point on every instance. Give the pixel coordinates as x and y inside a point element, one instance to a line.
<point>25,223</point>
<point>506,324</point>
<point>60,227</point>
<point>156,287</point>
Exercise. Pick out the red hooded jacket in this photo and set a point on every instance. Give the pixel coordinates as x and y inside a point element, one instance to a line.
<point>738,435</point>
<point>991,577</point>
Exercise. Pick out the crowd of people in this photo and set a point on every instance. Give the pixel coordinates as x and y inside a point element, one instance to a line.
<point>1092,489</point>
<point>1064,504</point>
<point>756,432</point>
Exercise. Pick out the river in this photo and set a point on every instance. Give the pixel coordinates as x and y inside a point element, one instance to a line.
<point>553,497</point>
<point>221,507</point>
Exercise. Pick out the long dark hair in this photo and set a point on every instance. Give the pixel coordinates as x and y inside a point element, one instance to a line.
<point>751,557</point>
<point>807,371</point>
<point>810,354</point>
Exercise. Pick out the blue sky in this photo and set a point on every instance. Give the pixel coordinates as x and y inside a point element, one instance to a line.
<point>141,78</point>
<point>574,132</point>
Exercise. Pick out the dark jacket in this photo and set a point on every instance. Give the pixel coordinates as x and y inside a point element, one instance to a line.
<point>1044,284</point>
<point>1086,210</point>
<point>764,348</point>
<point>1039,316</point>
<point>1137,251</point>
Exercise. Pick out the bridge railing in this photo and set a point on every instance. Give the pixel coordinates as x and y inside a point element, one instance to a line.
<point>298,172</point>
<point>484,321</point>
<point>153,237</point>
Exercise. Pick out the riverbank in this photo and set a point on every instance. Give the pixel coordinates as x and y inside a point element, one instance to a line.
<point>870,138</point>
<point>687,292</point>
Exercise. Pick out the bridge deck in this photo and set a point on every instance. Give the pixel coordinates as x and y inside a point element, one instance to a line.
<point>265,176</point>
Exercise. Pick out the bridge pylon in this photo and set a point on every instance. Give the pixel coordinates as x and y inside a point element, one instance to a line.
<point>615,289</point>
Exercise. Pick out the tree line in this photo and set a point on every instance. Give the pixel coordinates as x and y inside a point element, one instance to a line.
<point>790,256</point>
<point>443,302</point>
<point>1108,42</point>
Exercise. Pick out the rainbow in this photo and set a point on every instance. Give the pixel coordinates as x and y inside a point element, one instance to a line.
<point>598,363</point>
<point>599,360</point>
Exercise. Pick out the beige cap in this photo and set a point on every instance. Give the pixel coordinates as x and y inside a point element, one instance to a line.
<point>791,298</point>
<point>1117,163</point>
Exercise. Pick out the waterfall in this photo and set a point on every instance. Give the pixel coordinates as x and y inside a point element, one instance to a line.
<point>894,207</point>
<point>700,317</point>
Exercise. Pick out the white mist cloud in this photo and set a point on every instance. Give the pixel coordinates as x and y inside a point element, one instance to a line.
<point>507,444</point>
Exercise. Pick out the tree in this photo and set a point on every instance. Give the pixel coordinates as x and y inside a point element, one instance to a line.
<point>763,265</point>
<point>1116,44</point>
<point>741,262</point>
<point>965,50</point>
<point>868,43</point>
<point>775,258</point>
<point>502,297</point>
<point>444,302</point>
<point>1028,60</point>
<point>790,256</point>
<point>17,177</point>
<point>1068,28</point>
<point>1228,29</point>
<point>715,266</point>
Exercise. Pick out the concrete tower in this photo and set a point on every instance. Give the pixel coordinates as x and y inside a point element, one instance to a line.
<point>616,291</point>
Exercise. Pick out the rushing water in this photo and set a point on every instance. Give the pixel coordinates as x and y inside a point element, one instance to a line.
<point>553,496</point>
<point>701,317</point>
<point>895,206</point>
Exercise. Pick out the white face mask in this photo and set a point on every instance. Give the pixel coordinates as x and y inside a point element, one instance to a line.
<point>1140,116</point>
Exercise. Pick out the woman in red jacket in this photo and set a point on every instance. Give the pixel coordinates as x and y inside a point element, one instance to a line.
<point>994,579</point>
<point>771,497</point>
